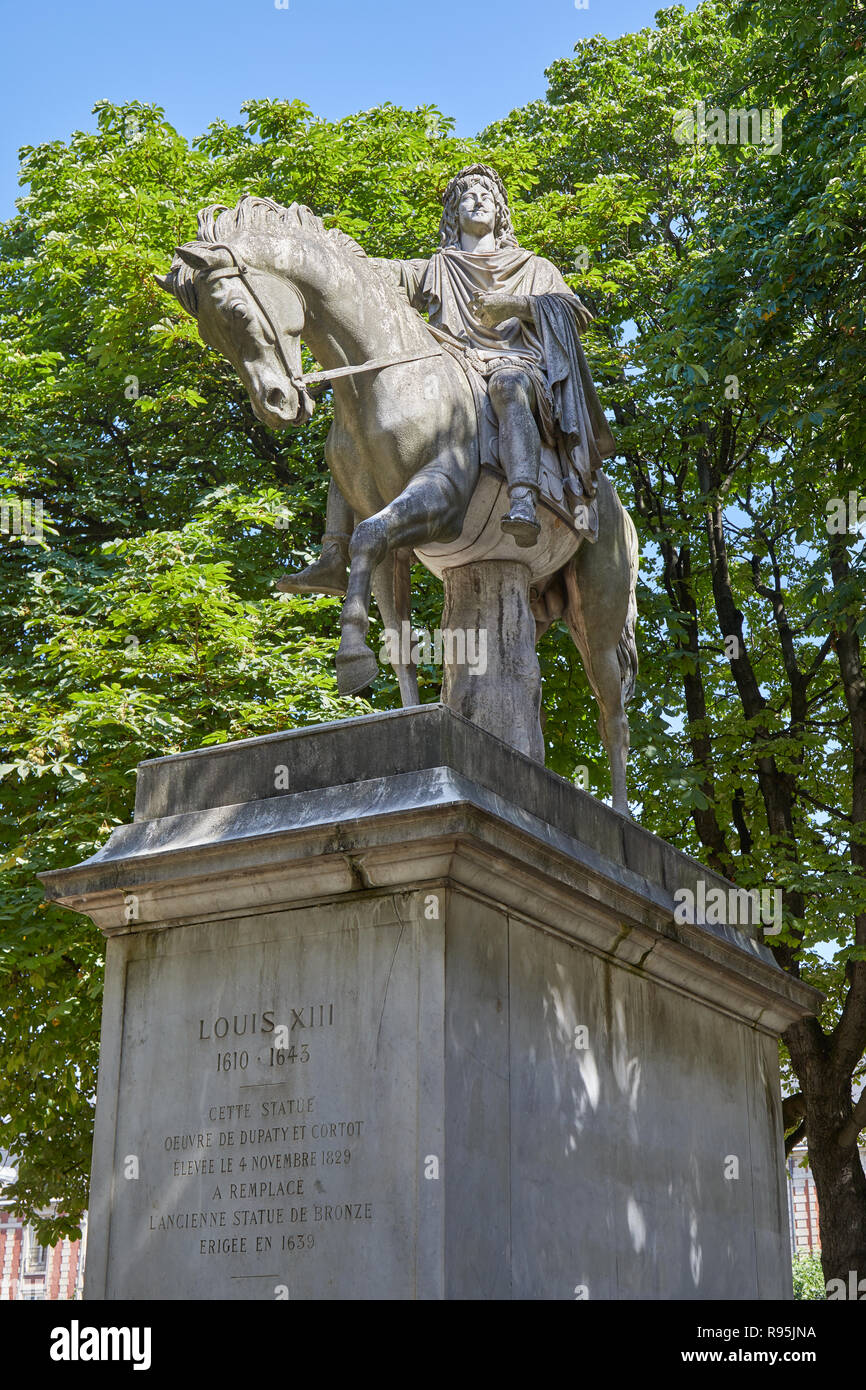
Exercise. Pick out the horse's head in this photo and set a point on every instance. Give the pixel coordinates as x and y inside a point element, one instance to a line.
<point>254,318</point>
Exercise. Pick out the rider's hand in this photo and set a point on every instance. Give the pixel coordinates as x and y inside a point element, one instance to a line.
<point>493,309</point>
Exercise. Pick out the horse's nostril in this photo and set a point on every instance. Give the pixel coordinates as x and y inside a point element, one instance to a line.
<point>275,399</point>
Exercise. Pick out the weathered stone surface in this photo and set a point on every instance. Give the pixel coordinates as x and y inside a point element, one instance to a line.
<point>494,380</point>
<point>537,1081</point>
<point>492,598</point>
<point>309,1183</point>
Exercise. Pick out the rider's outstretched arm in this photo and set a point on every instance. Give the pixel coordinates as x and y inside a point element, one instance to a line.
<point>407,274</point>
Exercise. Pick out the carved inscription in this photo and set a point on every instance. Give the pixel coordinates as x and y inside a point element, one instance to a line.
<point>267,1166</point>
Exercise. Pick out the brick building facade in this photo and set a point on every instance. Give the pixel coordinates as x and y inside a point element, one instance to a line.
<point>29,1270</point>
<point>803,1202</point>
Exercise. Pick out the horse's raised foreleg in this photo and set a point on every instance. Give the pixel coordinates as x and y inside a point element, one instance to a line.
<point>430,508</point>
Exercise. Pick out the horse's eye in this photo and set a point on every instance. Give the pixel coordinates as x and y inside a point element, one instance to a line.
<point>239,311</point>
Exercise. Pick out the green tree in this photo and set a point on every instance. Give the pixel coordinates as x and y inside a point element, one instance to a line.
<point>808,1277</point>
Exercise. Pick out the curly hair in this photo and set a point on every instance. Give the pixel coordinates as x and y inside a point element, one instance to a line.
<point>449,227</point>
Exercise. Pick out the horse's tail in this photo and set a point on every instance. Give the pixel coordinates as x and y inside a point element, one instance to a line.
<point>626,651</point>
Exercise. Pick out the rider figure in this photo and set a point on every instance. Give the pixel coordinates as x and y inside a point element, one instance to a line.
<point>515,322</point>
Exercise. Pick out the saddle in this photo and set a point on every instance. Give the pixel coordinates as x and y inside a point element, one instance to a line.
<point>563,495</point>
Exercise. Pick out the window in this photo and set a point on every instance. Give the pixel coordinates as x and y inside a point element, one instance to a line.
<point>35,1255</point>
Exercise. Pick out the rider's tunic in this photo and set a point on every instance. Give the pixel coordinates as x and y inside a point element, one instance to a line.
<point>570,418</point>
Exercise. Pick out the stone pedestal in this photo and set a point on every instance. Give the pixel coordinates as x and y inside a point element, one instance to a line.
<point>393,1012</point>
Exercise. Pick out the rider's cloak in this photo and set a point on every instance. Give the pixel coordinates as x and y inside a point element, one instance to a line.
<point>570,417</point>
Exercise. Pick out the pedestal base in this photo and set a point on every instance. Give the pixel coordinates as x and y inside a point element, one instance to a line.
<point>429,1034</point>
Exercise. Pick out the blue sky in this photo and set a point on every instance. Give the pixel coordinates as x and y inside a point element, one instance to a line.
<point>199,59</point>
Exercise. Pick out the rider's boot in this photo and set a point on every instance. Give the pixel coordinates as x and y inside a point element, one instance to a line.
<point>521,521</point>
<point>327,575</point>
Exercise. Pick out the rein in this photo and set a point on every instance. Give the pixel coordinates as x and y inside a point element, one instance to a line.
<point>375,364</point>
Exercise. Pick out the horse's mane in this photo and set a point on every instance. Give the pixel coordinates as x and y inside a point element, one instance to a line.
<point>218,224</point>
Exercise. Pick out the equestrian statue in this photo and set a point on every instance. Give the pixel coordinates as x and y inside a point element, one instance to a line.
<point>467,433</point>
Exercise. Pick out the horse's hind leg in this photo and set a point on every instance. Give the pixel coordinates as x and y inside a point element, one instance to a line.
<point>431,507</point>
<point>562,599</point>
<point>600,583</point>
<point>604,673</point>
<point>606,681</point>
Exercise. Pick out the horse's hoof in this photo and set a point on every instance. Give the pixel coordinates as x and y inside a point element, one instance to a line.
<point>299,584</point>
<point>324,576</point>
<point>355,671</point>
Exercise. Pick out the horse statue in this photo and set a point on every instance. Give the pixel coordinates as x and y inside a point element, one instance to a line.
<point>403,450</point>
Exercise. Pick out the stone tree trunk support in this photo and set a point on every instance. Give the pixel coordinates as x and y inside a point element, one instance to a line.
<point>487,609</point>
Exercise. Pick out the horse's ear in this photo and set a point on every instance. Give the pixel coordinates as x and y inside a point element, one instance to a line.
<point>164,283</point>
<point>199,256</point>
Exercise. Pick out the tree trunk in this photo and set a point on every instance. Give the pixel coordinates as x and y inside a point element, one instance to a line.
<point>840,1181</point>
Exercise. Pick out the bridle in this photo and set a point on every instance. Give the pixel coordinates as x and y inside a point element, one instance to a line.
<point>242,270</point>
<point>300,383</point>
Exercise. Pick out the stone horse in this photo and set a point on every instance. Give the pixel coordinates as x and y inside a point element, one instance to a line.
<point>403,450</point>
